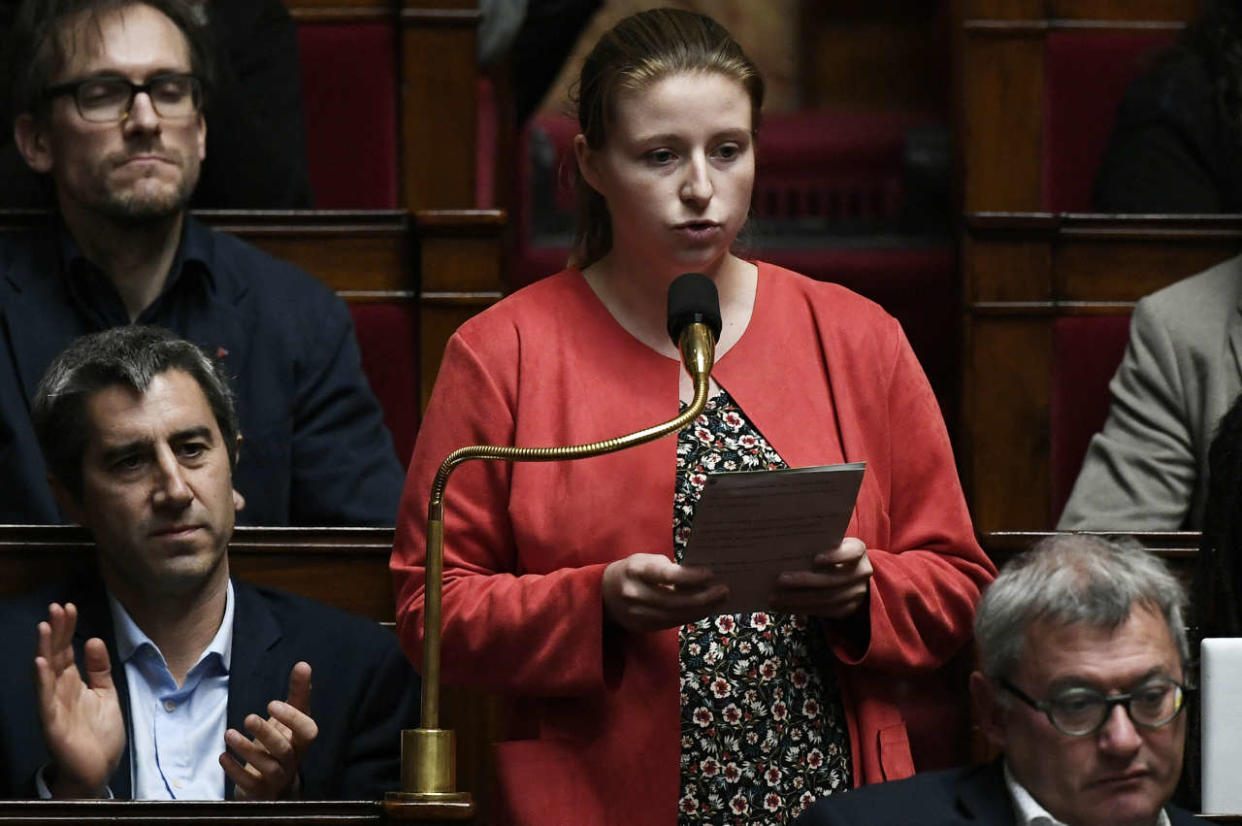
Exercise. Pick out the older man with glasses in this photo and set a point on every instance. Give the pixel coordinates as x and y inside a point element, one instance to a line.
<point>1081,688</point>
<point>110,96</point>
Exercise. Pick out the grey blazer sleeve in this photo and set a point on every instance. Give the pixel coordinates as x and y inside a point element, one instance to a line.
<point>1140,472</point>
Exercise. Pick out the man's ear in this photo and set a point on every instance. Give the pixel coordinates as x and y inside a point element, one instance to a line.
<point>202,138</point>
<point>586,157</point>
<point>66,500</point>
<point>988,710</point>
<point>239,501</point>
<point>33,142</point>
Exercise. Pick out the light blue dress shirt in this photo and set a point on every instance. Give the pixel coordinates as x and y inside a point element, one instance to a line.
<point>176,734</point>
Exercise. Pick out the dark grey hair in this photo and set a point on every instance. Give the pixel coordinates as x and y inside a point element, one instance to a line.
<point>130,355</point>
<point>1071,580</point>
<point>37,49</point>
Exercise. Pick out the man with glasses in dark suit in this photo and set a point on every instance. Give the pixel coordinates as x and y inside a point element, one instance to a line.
<point>1081,687</point>
<point>110,98</point>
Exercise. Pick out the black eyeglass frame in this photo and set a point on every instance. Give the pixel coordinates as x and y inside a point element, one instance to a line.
<point>1109,700</point>
<point>74,86</point>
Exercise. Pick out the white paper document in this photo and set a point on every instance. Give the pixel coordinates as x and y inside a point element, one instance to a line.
<point>751,526</point>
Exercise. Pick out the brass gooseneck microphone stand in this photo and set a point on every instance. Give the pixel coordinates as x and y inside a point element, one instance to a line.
<point>428,764</point>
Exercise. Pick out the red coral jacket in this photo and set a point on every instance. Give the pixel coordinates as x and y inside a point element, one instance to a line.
<point>824,374</point>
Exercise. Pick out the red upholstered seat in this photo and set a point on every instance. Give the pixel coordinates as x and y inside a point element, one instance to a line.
<point>545,149</point>
<point>388,337</point>
<point>349,95</point>
<point>1085,353</point>
<point>843,166</point>
<point>1086,74</point>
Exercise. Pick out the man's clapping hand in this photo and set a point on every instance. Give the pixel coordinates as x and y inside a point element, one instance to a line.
<point>275,750</point>
<point>82,721</point>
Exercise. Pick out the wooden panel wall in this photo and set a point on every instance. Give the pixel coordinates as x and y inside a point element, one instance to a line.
<point>864,54</point>
<point>1021,268</point>
<point>461,255</point>
<point>1001,80</point>
<point>1020,273</point>
<point>455,270</point>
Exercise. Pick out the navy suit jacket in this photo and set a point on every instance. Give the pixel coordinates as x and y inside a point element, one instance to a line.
<point>315,450</point>
<point>363,689</point>
<point>973,795</point>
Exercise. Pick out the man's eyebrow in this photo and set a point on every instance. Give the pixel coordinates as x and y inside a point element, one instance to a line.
<point>115,74</point>
<point>114,452</point>
<point>190,433</point>
<point>111,454</point>
<point>1079,681</point>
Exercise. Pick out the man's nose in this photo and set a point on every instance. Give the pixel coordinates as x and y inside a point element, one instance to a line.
<point>1119,735</point>
<point>171,487</point>
<point>141,116</point>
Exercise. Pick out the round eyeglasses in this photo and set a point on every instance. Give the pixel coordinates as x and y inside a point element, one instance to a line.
<point>1079,711</point>
<point>109,99</point>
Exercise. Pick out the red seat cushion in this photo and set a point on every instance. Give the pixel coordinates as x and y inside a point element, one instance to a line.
<point>349,95</point>
<point>1086,74</point>
<point>388,337</point>
<point>1085,353</point>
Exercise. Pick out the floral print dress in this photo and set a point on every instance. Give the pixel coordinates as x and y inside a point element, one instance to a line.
<point>763,729</point>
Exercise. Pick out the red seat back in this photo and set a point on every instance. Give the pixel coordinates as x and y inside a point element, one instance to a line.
<point>845,167</point>
<point>388,337</point>
<point>1086,74</point>
<point>1085,353</point>
<point>349,95</point>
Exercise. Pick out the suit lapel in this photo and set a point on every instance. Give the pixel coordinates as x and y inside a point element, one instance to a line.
<point>95,620</point>
<point>39,319</point>
<point>219,324</point>
<point>253,677</point>
<point>982,796</point>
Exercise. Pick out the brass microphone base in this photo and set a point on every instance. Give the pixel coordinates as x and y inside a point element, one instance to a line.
<point>428,766</point>
<point>427,797</point>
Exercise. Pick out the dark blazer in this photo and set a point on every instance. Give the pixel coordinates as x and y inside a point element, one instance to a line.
<point>315,450</point>
<point>364,691</point>
<point>976,794</point>
<point>1171,148</point>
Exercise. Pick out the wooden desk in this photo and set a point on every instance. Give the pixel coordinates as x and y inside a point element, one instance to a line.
<point>209,813</point>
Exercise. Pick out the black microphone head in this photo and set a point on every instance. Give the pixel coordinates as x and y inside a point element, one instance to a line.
<point>692,297</point>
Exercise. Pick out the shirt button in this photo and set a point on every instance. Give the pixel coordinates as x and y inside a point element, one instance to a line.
<point>177,784</point>
<point>169,705</point>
